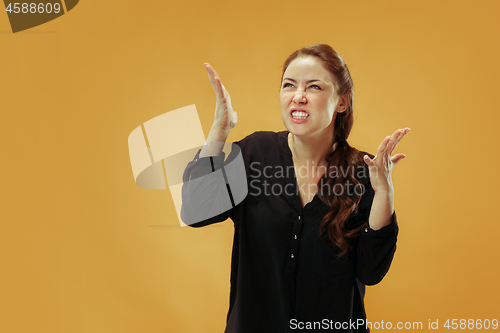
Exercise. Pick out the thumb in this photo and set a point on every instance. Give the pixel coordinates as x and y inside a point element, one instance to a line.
<point>368,160</point>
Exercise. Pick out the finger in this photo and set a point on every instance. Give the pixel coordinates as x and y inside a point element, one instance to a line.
<point>219,90</point>
<point>212,75</point>
<point>215,72</point>
<point>210,69</point>
<point>383,146</point>
<point>368,160</point>
<point>402,133</point>
<point>394,141</point>
<point>234,116</point>
<point>398,157</point>
<point>224,91</point>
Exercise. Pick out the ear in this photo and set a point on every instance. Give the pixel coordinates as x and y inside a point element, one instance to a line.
<point>342,106</point>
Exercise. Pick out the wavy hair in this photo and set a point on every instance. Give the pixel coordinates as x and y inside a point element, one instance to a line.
<point>344,157</point>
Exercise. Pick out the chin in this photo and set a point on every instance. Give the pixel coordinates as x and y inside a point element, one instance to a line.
<point>309,132</point>
<point>299,131</point>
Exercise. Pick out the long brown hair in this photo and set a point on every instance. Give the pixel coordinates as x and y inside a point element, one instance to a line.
<point>344,157</point>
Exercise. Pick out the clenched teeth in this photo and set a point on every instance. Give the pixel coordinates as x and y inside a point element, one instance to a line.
<point>299,115</point>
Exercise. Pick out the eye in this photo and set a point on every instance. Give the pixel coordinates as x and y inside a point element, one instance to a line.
<point>314,86</point>
<point>287,85</point>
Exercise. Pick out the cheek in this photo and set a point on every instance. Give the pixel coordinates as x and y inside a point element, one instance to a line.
<point>332,105</point>
<point>284,100</point>
<point>328,106</point>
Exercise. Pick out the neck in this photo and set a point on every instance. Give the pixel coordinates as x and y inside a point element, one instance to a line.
<point>311,150</point>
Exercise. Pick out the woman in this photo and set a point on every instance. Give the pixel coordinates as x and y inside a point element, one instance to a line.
<point>302,255</point>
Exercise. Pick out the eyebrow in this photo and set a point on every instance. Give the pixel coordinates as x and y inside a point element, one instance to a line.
<point>289,79</point>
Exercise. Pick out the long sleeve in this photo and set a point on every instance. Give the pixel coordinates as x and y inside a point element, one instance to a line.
<point>213,188</point>
<point>375,252</point>
<point>205,196</point>
<point>375,248</point>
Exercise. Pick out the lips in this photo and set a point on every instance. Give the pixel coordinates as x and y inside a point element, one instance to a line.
<point>299,116</point>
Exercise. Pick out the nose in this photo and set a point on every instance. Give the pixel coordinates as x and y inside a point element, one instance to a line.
<point>300,97</point>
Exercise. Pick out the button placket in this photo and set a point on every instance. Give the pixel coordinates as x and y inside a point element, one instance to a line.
<point>295,237</point>
<point>294,244</point>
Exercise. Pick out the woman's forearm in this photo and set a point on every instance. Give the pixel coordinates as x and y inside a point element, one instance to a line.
<point>215,142</point>
<point>382,209</point>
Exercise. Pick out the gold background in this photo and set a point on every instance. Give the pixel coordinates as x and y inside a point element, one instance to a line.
<point>84,249</point>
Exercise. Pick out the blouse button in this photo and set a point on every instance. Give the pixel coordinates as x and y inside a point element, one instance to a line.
<point>292,256</point>
<point>366,229</point>
<point>299,217</point>
<point>295,237</point>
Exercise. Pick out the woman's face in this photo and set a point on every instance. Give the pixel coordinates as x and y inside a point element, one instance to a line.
<point>313,115</point>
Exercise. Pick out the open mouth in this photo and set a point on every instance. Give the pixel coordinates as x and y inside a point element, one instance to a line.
<point>299,114</point>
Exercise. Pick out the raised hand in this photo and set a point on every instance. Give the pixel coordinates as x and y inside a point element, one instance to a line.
<point>225,118</point>
<point>382,164</point>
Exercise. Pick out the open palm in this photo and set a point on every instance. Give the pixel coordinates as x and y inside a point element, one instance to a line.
<point>225,117</point>
<point>382,164</point>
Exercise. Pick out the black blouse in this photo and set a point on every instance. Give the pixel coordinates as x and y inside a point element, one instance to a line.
<point>284,276</point>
